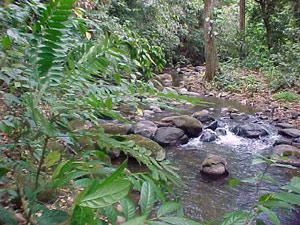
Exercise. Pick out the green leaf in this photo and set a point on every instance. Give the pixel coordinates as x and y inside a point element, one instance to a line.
<point>109,103</point>
<point>82,216</point>
<point>294,185</point>
<point>117,173</point>
<point>258,161</point>
<point>276,204</point>
<point>179,221</point>
<point>106,194</point>
<point>136,221</point>
<point>111,214</point>
<point>147,198</point>
<point>128,208</point>
<point>236,218</point>
<point>52,158</point>
<point>50,217</point>
<point>3,171</point>
<point>6,217</point>
<point>234,182</point>
<point>168,207</point>
<point>271,216</point>
<point>6,43</point>
<point>288,197</point>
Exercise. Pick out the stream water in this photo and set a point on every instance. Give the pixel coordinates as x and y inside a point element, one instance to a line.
<point>206,200</point>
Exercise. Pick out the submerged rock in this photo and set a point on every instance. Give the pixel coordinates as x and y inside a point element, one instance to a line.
<point>170,136</point>
<point>115,128</point>
<point>214,165</point>
<point>290,132</point>
<point>208,136</point>
<point>158,152</point>
<point>250,130</point>
<point>291,154</point>
<point>191,126</point>
<point>145,128</point>
<point>203,116</point>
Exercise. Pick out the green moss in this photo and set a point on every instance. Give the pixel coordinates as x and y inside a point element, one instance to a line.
<point>286,96</point>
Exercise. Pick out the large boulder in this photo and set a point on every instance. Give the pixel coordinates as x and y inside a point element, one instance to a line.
<point>208,136</point>
<point>170,136</point>
<point>250,130</point>
<point>290,132</point>
<point>203,116</point>
<point>191,126</point>
<point>290,153</point>
<point>158,152</point>
<point>145,128</point>
<point>214,165</point>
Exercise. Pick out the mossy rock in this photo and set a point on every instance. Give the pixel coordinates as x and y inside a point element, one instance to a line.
<point>112,128</point>
<point>158,152</point>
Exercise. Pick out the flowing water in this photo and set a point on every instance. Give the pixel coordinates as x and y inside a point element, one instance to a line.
<point>205,200</point>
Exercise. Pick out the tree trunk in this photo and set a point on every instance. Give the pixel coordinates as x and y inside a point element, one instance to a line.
<point>242,15</point>
<point>211,58</point>
<point>266,18</point>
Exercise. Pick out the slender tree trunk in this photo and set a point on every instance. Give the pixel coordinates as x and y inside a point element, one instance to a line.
<point>266,18</point>
<point>211,58</point>
<point>242,15</point>
<point>242,23</point>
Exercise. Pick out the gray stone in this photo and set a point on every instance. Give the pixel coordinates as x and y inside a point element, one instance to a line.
<point>239,116</point>
<point>191,126</point>
<point>155,109</point>
<point>250,130</point>
<point>221,131</point>
<point>213,125</point>
<point>203,116</point>
<point>170,136</point>
<point>208,136</point>
<point>284,125</point>
<point>145,128</point>
<point>291,153</point>
<point>214,165</point>
<point>290,132</point>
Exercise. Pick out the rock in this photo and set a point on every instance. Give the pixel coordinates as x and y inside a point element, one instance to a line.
<point>239,116</point>
<point>114,128</point>
<point>221,131</point>
<point>184,91</point>
<point>145,128</point>
<point>290,132</point>
<point>208,136</point>
<point>283,141</point>
<point>296,142</point>
<point>170,136</point>
<point>213,125</point>
<point>203,116</point>
<point>291,152</point>
<point>150,112</point>
<point>79,124</point>
<point>214,165</point>
<point>294,115</point>
<point>224,110</point>
<point>284,125</point>
<point>244,102</point>
<point>155,109</point>
<point>250,130</point>
<point>166,79</point>
<point>158,152</point>
<point>168,90</point>
<point>191,126</point>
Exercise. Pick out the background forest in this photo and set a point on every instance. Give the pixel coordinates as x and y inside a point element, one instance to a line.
<point>66,65</point>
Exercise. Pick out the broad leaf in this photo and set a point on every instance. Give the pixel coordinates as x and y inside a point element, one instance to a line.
<point>106,194</point>
<point>82,216</point>
<point>50,217</point>
<point>271,216</point>
<point>147,198</point>
<point>136,221</point>
<point>168,207</point>
<point>128,208</point>
<point>52,158</point>
<point>236,218</point>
